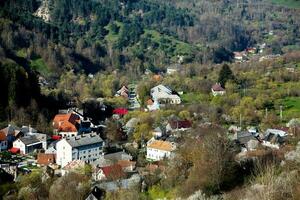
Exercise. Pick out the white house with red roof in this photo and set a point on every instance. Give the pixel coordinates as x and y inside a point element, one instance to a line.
<point>217,89</point>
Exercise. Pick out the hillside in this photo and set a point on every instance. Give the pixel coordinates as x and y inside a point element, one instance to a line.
<point>108,35</point>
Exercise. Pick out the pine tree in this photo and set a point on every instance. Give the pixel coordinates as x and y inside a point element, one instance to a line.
<point>225,75</point>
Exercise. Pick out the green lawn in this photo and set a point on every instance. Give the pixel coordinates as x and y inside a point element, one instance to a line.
<point>193,98</point>
<point>288,3</point>
<point>291,107</point>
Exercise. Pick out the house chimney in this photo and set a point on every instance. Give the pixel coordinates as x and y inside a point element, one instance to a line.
<point>29,129</point>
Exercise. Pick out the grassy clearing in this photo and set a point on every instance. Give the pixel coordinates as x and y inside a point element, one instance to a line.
<point>179,47</point>
<point>288,3</point>
<point>111,36</point>
<point>193,98</point>
<point>40,66</point>
<point>291,107</point>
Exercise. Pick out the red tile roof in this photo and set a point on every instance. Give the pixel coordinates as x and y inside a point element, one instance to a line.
<point>113,171</point>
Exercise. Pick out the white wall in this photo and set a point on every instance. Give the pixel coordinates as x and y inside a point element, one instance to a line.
<point>156,154</point>
<point>68,134</point>
<point>19,144</point>
<point>63,153</point>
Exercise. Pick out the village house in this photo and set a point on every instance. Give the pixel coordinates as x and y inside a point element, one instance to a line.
<point>65,124</point>
<point>127,165</point>
<point>159,149</point>
<point>87,147</point>
<point>29,131</point>
<point>12,133</point>
<point>247,140</point>
<point>27,144</point>
<point>152,105</point>
<point>164,95</point>
<point>112,172</point>
<point>73,166</point>
<point>157,132</point>
<point>3,142</point>
<point>217,89</point>
<point>133,182</point>
<point>123,92</point>
<point>178,125</point>
<point>274,138</point>
<point>238,56</point>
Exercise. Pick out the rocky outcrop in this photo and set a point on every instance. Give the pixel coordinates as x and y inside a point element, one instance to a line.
<point>44,10</point>
<point>294,155</point>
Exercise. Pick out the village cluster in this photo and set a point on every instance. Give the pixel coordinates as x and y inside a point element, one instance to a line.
<point>77,142</point>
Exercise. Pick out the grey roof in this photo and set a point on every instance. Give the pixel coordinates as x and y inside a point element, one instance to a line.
<point>157,129</point>
<point>244,136</point>
<point>10,130</point>
<point>84,139</point>
<point>118,156</point>
<point>29,140</point>
<point>131,182</point>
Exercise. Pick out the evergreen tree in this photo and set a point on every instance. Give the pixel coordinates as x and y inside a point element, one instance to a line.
<point>225,75</point>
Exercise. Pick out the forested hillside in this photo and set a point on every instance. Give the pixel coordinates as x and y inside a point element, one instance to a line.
<point>133,35</point>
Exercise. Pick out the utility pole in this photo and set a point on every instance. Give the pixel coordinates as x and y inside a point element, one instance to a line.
<point>280,113</point>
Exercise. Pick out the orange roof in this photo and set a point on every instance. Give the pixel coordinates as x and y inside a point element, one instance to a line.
<point>67,127</point>
<point>161,145</point>
<point>45,159</point>
<point>66,122</point>
<point>2,136</point>
<point>157,77</point>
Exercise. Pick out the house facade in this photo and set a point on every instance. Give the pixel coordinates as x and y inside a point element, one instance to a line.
<point>28,144</point>
<point>217,89</point>
<point>158,149</point>
<point>164,95</point>
<point>3,142</point>
<point>65,124</point>
<point>87,147</point>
